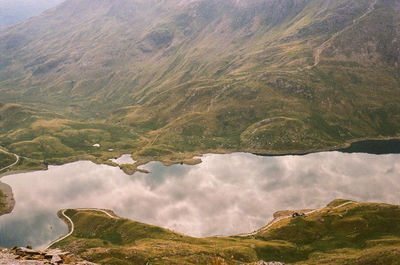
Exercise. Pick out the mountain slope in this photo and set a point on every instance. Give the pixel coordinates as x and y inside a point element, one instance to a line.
<point>87,43</point>
<point>210,75</point>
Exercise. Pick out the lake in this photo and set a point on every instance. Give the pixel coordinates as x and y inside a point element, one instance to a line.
<point>224,195</point>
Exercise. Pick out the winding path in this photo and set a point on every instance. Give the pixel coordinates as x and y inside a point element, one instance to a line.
<point>276,220</point>
<point>328,43</point>
<point>72,223</point>
<point>13,164</point>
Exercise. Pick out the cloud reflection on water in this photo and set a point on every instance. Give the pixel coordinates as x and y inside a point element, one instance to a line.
<point>226,194</point>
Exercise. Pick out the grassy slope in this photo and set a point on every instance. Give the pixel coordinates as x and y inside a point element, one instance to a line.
<point>211,76</point>
<point>6,159</point>
<point>365,233</point>
<point>39,136</point>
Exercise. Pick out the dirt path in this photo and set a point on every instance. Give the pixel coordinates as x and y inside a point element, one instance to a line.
<point>13,164</point>
<point>320,49</point>
<point>276,220</point>
<point>71,224</point>
<point>6,189</point>
<point>328,43</point>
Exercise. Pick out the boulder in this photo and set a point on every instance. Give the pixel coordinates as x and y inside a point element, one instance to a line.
<point>56,259</point>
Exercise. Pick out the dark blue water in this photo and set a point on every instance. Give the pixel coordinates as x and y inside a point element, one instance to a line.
<point>377,147</point>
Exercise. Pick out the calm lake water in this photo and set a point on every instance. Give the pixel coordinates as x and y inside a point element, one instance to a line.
<point>224,195</point>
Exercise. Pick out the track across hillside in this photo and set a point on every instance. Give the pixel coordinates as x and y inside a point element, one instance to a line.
<point>13,164</point>
<point>71,223</point>
<point>328,43</point>
<point>276,220</point>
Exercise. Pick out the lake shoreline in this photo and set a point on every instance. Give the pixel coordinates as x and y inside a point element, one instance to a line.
<point>196,156</point>
<point>334,149</point>
<point>219,189</point>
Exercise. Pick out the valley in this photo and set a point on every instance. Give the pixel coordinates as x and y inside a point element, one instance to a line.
<point>200,132</point>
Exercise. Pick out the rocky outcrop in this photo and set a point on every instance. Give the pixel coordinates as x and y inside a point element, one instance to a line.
<point>28,256</point>
<point>261,262</point>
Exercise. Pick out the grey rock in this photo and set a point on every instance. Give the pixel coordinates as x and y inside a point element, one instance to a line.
<point>261,262</point>
<point>56,259</point>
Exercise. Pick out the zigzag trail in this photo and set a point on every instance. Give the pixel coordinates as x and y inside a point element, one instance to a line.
<point>328,43</point>
<point>72,223</point>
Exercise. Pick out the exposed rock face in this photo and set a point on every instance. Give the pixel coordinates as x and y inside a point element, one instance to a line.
<point>28,256</point>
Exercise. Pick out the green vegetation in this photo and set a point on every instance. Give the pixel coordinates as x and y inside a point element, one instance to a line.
<point>6,159</point>
<point>365,233</point>
<point>174,80</point>
<point>3,206</point>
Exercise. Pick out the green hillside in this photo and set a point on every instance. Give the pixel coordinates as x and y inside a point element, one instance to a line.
<point>356,233</point>
<point>168,79</point>
<point>6,159</point>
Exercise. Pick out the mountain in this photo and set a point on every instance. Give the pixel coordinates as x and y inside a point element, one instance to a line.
<point>187,76</point>
<point>14,11</point>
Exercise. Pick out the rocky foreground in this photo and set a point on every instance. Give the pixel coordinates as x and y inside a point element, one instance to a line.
<point>17,256</point>
<point>28,256</point>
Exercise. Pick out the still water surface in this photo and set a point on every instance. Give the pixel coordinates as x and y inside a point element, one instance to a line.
<point>224,195</point>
